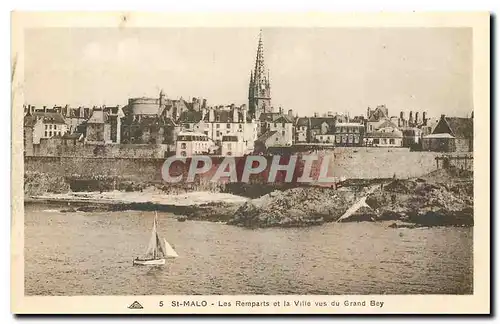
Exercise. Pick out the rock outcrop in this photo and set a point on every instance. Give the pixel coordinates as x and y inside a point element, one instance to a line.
<point>420,202</point>
<point>293,208</point>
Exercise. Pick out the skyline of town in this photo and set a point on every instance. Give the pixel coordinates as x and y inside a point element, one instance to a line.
<point>72,58</point>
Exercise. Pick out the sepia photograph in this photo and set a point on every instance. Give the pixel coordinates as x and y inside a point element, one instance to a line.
<point>258,160</point>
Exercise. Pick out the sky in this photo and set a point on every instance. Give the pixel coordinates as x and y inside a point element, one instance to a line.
<point>311,69</point>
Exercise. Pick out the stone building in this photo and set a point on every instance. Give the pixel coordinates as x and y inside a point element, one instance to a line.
<point>154,120</point>
<point>191,143</point>
<point>451,134</point>
<point>281,125</point>
<point>311,128</point>
<point>376,117</point>
<point>216,122</point>
<point>233,145</point>
<point>349,134</point>
<point>98,127</point>
<point>38,125</point>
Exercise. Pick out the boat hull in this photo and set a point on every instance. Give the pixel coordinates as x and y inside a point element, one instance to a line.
<point>149,262</point>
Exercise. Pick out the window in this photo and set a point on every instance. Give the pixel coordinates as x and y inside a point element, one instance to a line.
<point>50,134</point>
<point>391,141</point>
<point>344,138</point>
<point>217,126</point>
<point>283,125</point>
<point>356,129</point>
<point>241,126</point>
<point>350,138</point>
<point>218,133</point>
<point>55,126</point>
<point>275,125</point>
<point>183,153</point>
<point>282,133</point>
<point>50,126</point>
<point>183,145</point>
<point>206,133</point>
<point>337,138</point>
<point>356,139</point>
<point>228,125</point>
<point>45,132</point>
<point>46,126</point>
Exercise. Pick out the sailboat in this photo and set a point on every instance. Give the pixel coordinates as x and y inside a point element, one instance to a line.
<point>158,250</point>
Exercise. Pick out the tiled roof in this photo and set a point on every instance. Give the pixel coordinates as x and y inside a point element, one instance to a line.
<point>47,117</point>
<point>384,135</point>
<point>190,116</point>
<point>98,117</point>
<point>273,117</point>
<point>387,123</point>
<point>461,127</point>
<point>223,116</point>
<point>264,137</point>
<point>316,122</point>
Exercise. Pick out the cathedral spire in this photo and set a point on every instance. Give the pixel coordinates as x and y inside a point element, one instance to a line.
<point>260,68</point>
<point>259,89</point>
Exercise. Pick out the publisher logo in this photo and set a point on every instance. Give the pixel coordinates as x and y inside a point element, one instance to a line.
<point>135,305</point>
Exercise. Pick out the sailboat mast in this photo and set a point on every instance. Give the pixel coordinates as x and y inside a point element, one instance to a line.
<point>155,251</point>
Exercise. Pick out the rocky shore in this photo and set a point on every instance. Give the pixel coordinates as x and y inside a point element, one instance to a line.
<point>443,198</point>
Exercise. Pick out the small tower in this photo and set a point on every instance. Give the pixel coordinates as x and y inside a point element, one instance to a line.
<point>259,92</point>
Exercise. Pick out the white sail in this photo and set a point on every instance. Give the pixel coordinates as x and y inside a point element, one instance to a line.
<point>170,252</point>
<point>152,241</point>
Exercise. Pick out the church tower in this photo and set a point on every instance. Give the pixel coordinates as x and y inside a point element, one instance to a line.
<point>259,90</point>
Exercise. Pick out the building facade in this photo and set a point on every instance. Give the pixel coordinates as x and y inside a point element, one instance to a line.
<point>192,143</point>
<point>451,134</point>
<point>280,124</point>
<point>233,145</point>
<point>349,134</point>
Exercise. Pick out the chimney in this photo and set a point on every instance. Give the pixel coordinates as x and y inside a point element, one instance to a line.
<point>410,119</point>
<point>244,110</point>
<point>330,114</point>
<point>235,114</point>
<point>416,118</point>
<point>290,113</point>
<point>472,115</point>
<point>203,112</point>
<point>424,118</point>
<point>204,104</point>
<point>44,108</point>
<point>280,110</point>
<point>315,114</point>
<point>402,115</point>
<point>211,115</point>
<point>368,112</point>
